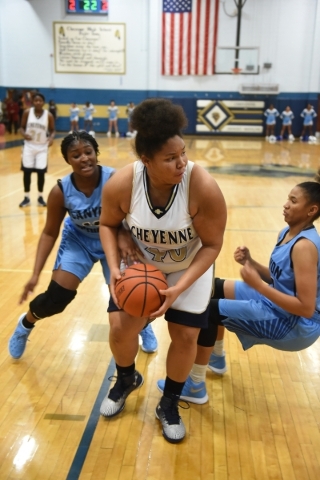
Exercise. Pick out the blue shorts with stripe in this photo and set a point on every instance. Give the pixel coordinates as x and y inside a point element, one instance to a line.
<point>78,253</point>
<point>255,320</point>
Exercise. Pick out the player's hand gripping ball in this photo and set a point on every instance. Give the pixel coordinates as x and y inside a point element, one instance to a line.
<point>137,290</point>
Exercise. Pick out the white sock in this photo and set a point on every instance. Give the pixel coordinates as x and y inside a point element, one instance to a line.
<point>27,195</point>
<point>218,348</point>
<point>40,194</point>
<point>198,373</point>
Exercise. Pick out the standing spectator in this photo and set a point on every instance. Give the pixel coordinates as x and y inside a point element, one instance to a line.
<point>287,117</point>
<point>308,114</point>
<point>27,99</point>
<point>12,115</point>
<point>88,118</point>
<point>129,111</point>
<point>271,113</point>
<point>21,107</point>
<point>36,122</point>
<point>53,109</point>
<point>113,119</point>
<point>74,117</point>
<point>2,129</point>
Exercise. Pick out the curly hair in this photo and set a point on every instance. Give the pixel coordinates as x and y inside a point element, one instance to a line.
<point>312,191</point>
<point>77,136</point>
<point>156,120</point>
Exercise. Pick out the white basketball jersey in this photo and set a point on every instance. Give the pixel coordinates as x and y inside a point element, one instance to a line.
<point>165,235</point>
<point>37,127</point>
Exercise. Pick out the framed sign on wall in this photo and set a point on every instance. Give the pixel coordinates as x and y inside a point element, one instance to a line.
<point>89,47</point>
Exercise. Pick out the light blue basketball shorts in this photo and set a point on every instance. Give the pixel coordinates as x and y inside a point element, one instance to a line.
<point>255,320</point>
<point>78,253</point>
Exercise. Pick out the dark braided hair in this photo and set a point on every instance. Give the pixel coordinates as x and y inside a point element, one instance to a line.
<point>156,120</point>
<point>312,191</point>
<point>77,136</point>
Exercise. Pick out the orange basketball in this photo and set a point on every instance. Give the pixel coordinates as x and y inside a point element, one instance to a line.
<point>137,291</point>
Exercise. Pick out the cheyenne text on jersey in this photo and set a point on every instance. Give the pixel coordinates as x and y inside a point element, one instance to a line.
<point>164,237</point>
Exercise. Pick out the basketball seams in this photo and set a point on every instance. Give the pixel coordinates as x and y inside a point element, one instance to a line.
<point>162,280</point>
<point>146,284</point>
<point>138,290</point>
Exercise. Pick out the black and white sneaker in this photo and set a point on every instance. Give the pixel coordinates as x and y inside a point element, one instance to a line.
<point>25,202</point>
<point>115,400</point>
<point>167,412</point>
<point>41,202</point>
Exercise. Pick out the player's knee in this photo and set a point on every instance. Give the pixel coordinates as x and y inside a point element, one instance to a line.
<point>51,302</point>
<point>207,336</point>
<point>218,291</point>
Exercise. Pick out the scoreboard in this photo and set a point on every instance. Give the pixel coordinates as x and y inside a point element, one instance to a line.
<point>90,7</point>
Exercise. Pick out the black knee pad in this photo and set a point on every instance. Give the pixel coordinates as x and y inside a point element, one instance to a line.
<point>51,302</point>
<point>218,288</point>
<point>207,336</point>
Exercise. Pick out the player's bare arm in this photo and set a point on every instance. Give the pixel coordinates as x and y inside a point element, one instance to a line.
<point>23,125</point>
<point>51,128</point>
<point>208,210</point>
<point>116,197</point>
<point>55,215</point>
<point>305,259</point>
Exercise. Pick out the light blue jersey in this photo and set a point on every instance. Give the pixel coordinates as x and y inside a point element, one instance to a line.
<point>271,116</point>
<point>113,113</point>
<point>88,112</point>
<point>84,212</point>
<point>74,114</point>
<point>287,117</point>
<point>257,320</point>
<point>80,245</point>
<point>308,116</point>
<point>129,113</point>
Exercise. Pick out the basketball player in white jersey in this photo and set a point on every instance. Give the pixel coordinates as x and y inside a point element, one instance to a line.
<point>35,125</point>
<point>176,214</point>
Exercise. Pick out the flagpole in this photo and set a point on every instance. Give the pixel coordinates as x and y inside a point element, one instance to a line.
<point>240,4</point>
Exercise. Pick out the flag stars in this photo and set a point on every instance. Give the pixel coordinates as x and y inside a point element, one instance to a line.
<point>177,6</point>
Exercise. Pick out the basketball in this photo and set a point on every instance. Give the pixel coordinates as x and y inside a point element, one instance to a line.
<point>137,291</point>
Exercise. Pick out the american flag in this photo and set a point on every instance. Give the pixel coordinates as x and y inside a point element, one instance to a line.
<point>189,36</point>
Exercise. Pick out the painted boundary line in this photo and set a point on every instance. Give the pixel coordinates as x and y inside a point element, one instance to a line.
<point>88,433</point>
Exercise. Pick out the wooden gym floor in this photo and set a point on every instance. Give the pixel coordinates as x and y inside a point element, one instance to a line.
<point>262,420</point>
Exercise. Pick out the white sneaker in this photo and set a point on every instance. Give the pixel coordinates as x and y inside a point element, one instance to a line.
<point>267,138</point>
<point>108,134</point>
<point>117,134</point>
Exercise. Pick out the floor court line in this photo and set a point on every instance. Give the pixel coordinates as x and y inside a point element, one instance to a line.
<point>88,433</point>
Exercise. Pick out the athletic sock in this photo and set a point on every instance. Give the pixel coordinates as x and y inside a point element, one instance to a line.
<point>26,323</point>
<point>125,371</point>
<point>198,373</point>
<point>172,388</point>
<point>218,348</point>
